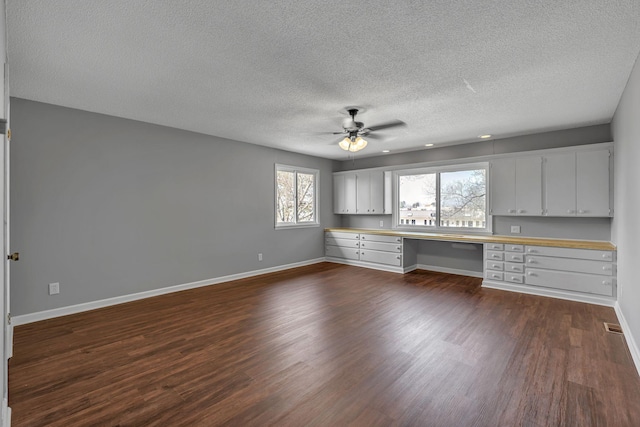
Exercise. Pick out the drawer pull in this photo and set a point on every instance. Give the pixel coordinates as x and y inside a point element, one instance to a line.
<point>362,245</point>
<point>362,237</point>
<point>496,276</point>
<point>531,261</point>
<point>605,256</point>
<point>582,211</point>
<point>398,240</point>
<point>398,247</point>
<point>521,211</point>
<point>495,256</point>
<point>398,257</point>
<point>606,268</point>
<point>604,282</point>
<point>511,211</point>
<point>357,236</point>
<point>530,273</point>
<point>495,266</point>
<point>531,251</point>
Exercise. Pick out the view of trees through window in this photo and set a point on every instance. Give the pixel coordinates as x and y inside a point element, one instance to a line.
<point>461,202</point>
<point>295,199</point>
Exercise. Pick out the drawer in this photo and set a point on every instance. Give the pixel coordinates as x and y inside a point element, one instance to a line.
<point>379,257</point>
<point>495,256</point>
<point>347,243</point>
<point>569,264</point>
<point>495,265</point>
<point>494,275</point>
<point>513,257</point>
<point>381,238</point>
<point>379,246</point>
<point>514,277</point>
<point>494,246</point>
<point>340,252</point>
<point>514,267</point>
<point>342,235</point>
<point>579,282</point>
<point>514,248</point>
<point>570,253</point>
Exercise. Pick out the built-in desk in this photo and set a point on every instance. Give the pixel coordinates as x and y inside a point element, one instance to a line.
<point>582,270</point>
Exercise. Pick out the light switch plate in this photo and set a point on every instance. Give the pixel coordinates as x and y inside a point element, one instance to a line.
<point>515,229</point>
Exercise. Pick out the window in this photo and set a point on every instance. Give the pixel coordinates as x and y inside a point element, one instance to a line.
<point>296,196</point>
<point>438,198</point>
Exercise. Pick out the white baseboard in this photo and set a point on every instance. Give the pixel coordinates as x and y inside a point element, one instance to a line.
<point>9,354</point>
<point>450,270</point>
<point>628,336</point>
<point>6,414</point>
<point>78,308</point>
<point>547,292</point>
<point>357,263</point>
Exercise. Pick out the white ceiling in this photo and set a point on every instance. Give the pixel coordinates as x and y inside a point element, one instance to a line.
<point>274,72</point>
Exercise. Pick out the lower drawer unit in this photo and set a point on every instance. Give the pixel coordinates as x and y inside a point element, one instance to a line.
<point>341,252</point>
<point>568,264</point>
<point>494,275</point>
<point>380,238</point>
<point>380,257</point>
<point>571,281</point>
<point>348,243</point>
<point>378,246</point>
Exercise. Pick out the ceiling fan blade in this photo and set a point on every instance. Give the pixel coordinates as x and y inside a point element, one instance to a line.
<point>387,125</point>
<point>324,133</point>
<point>372,136</point>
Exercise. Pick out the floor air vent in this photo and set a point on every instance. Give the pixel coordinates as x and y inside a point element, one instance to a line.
<point>613,328</point>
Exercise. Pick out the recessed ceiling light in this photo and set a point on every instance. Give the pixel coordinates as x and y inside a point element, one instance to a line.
<point>485,136</point>
<point>385,151</point>
<point>428,145</point>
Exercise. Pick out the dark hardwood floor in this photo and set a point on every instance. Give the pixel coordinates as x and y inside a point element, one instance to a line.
<point>328,345</point>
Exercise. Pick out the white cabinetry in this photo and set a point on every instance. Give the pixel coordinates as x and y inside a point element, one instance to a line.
<point>344,193</point>
<point>370,192</point>
<point>516,186</point>
<point>360,192</point>
<point>371,250</point>
<point>580,274</point>
<point>577,184</point>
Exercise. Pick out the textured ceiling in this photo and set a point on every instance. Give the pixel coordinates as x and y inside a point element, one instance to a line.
<point>275,72</point>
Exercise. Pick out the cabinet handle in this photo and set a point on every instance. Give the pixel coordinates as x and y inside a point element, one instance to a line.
<point>495,265</point>
<point>530,273</point>
<point>531,261</point>
<point>373,210</point>
<point>361,253</point>
<point>604,282</point>
<point>570,211</point>
<point>362,245</point>
<point>368,210</point>
<point>531,251</point>
<point>398,240</point>
<point>521,211</point>
<point>398,248</point>
<point>398,257</point>
<point>495,276</point>
<point>606,268</point>
<point>582,211</point>
<point>495,256</point>
<point>362,237</point>
<point>357,236</point>
<point>605,256</point>
<point>511,211</point>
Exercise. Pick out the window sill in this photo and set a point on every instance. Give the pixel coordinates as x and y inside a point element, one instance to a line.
<point>289,226</point>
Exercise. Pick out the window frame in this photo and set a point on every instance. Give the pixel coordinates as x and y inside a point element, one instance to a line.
<point>437,170</point>
<point>316,184</point>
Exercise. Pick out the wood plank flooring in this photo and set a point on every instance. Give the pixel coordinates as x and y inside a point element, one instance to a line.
<point>328,345</point>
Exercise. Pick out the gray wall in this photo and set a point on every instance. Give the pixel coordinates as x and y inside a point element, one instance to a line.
<point>109,207</point>
<point>459,256</point>
<point>626,229</point>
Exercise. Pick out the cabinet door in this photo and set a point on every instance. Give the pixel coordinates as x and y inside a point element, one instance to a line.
<point>338,194</point>
<point>376,185</point>
<point>388,192</point>
<point>560,184</point>
<point>502,184</point>
<point>592,183</point>
<point>350,193</point>
<point>529,186</point>
<point>363,193</point>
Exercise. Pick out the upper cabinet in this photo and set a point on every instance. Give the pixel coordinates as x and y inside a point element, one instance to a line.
<point>361,192</point>
<point>578,184</point>
<point>516,186</point>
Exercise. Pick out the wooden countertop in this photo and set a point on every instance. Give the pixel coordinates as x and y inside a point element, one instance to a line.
<point>488,238</point>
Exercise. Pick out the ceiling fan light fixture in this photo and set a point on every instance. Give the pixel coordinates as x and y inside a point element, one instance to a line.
<point>356,145</point>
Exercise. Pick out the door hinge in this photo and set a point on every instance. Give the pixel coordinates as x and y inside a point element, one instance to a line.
<point>8,318</point>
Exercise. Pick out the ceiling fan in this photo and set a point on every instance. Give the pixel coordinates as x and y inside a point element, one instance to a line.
<point>354,131</point>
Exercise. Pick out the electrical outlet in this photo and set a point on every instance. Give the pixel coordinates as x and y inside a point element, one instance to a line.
<point>381,224</point>
<point>515,229</point>
<point>54,288</point>
<point>260,257</point>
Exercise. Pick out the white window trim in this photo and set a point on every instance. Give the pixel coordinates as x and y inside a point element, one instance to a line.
<point>437,228</point>
<point>316,179</point>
